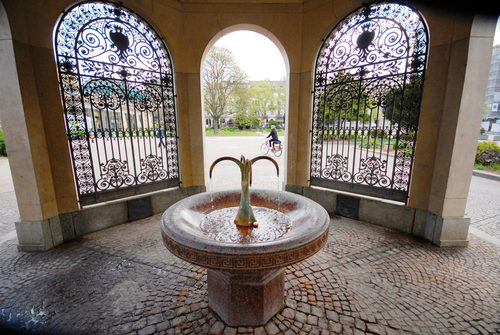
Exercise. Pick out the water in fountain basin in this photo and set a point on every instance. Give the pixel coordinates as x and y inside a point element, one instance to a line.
<point>219,225</point>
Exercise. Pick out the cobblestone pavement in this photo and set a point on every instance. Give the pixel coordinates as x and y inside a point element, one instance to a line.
<point>367,280</point>
<point>483,205</point>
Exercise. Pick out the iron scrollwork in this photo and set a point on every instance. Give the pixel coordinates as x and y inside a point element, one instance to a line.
<point>116,82</point>
<point>151,169</point>
<point>367,91</point>
<point>337,168</point>
<point>372,171</point>
<point>114,173</point>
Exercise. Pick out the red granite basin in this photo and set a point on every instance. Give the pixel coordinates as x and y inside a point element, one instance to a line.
<point>183,236</point>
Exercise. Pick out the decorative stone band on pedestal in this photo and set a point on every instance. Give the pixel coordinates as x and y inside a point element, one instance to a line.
<point>245,262</point>
<point>245,280</point>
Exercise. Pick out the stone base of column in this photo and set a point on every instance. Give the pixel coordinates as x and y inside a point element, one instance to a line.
<point>47,234</point>
<point>442,231</point>
<point>39,235</point>
<point>246,298</point>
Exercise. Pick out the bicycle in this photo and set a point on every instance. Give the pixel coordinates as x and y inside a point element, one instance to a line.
<point>277,149</point>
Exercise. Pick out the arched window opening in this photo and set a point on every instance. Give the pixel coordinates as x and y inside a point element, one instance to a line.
<point>244,82</point>
<point>367,91</point>
<point>117,89</point>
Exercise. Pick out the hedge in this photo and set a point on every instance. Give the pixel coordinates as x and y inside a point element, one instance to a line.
<point>3,149</point>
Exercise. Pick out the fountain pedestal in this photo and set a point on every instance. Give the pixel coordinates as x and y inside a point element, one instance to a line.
<point>246,298</point>
<point>245,277</point>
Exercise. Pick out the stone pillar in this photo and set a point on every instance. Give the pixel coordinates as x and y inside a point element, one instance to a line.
<point>246,298</point>
<point>440,185</point>
<point>292,130</point>
<point>190,128</point>
<point>39,228</point>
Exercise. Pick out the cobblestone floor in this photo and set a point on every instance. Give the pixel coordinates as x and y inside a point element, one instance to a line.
<point>367,280</point>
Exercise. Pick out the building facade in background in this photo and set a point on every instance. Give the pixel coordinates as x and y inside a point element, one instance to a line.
<point>492,101</point>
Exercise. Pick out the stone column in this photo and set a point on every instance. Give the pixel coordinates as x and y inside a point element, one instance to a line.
<point>443,169</point>
<point>39,228</point>
<point>190,127</point>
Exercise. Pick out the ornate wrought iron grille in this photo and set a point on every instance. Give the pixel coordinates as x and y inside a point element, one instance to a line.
<point>367,92</point>
<point>117,89</point>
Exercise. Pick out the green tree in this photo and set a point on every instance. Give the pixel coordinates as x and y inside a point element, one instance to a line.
<point>263,100</point>
<point>240,105</point>
<point>221,76</point>
<point>344,100</point>
<point>404,108</point>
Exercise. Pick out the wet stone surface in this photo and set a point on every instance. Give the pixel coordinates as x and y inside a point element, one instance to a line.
<point>367,280</point>
<point>271,225</point>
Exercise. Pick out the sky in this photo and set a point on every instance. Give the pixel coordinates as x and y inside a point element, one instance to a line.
<point>256,54</point>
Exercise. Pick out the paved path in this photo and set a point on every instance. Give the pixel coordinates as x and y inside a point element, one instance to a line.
<point>9,212</point>
<point>367,280</point>
<point>226,174</point>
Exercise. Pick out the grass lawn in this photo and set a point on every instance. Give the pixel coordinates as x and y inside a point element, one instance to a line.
<point>494,168</point>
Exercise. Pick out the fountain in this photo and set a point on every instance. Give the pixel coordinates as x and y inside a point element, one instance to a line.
<point>245,248</point>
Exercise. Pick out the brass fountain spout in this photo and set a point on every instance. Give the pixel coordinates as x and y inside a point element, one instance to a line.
<point>245,217</point>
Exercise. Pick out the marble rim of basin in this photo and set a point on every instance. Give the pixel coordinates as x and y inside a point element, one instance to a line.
<point>183,237</point>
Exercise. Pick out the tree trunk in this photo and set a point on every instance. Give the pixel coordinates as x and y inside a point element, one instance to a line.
<point>216,126</point>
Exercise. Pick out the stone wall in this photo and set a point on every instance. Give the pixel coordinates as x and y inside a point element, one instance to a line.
<point>460,45</point>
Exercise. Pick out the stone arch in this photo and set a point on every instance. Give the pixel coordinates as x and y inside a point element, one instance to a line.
<point>252,27</point>
<point>275,40</point>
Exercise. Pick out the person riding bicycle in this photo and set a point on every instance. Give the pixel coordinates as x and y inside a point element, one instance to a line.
<point>274,137</point>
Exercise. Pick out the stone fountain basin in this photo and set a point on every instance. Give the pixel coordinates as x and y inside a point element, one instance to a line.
<point>183,237</point>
